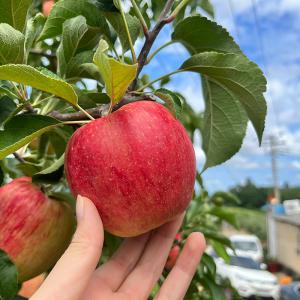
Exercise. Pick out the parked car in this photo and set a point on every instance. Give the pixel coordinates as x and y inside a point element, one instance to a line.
<point>247,246</point>
<point>248,278</point>
<point>290,291</point>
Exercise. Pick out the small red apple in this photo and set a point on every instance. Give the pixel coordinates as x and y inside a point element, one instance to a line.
<point>172,258</point>
<point>34,229</point>
<point>178,238</point>
<point>137,165</point>
<point>47,6</point>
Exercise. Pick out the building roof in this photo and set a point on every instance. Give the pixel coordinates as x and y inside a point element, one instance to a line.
<point>290,219</point>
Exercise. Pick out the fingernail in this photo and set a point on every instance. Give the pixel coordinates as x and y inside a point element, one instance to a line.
<point>80,207</point>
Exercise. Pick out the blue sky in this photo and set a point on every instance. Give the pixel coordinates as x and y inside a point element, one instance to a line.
<point>274,44</point>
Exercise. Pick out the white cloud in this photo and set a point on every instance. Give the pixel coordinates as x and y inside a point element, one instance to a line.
<point>200,156</point>
<point>296,164</point>
<point>242,162</point>
<point>263,7</point>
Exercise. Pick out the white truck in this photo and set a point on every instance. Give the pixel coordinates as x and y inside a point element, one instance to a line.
<point>247,246</point>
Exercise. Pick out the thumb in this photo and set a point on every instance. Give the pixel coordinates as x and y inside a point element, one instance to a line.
<point>72,272</point>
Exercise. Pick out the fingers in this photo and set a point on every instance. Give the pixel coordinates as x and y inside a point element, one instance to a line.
<point>150,266</point>
<point>121,264</point>
<point>179,279</point>
<point>72,272</point>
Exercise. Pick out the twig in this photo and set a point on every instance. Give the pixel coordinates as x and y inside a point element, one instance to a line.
<point>162,21</point>
<point>22,97</point>
<point>166,10</point>
<point>85,112</point>
<point>96,112</point>
<point>18,157</point>
<point>158,49</point>
<point>127,100</point>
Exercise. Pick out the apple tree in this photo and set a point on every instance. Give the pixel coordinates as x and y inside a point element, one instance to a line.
<point>64,64</point>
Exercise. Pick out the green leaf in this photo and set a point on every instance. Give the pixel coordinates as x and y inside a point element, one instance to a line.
<point>105,5</point>
<point>134,26</point>
<point>81,66</point>
<point>41,80</point>
<point>235,77</point>
<point>77,37</point>
<point>73,31</point>
<point>220,250</point>
<point>4,90</point>
<point>198,34</point>
<point>21,130</point>
<point>216,291</point>
<point>228,216</point>
<point>11,45</point>
<point>7,107</point>
<point>67,9</point>
<point>51,174</point>
<point>33,30</point>
<point>209,262</point>
<point>224,124</point>
<point>14,12</point>
<point>226,197</point>
<point>172,100</point>
<point>216,236</point>
<point>91,99</point>
<point>28,169</point>
<point>59,138</point>
<point>8,277</point>
<point>232,85</point>
<point>117,76</point>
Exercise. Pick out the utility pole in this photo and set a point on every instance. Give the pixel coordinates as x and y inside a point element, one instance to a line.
<point>273,152</point>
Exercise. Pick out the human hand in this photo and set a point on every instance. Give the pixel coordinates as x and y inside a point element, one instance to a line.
<point>132,271</point>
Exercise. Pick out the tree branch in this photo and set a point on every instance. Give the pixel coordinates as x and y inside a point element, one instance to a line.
<point>99,111</point>
<point>96,112</point>
<point>166,10</point>
<point>151,37</point>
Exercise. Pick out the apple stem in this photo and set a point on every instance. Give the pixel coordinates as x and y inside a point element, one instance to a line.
<point>85,112</point>
<point>76,122</point>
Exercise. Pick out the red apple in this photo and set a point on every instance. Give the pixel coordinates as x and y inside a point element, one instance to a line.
<point>137,165</point>
<point>172,258</point>
<point>34,229</point>
<point>178,238</point>
<point>47,6</point>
